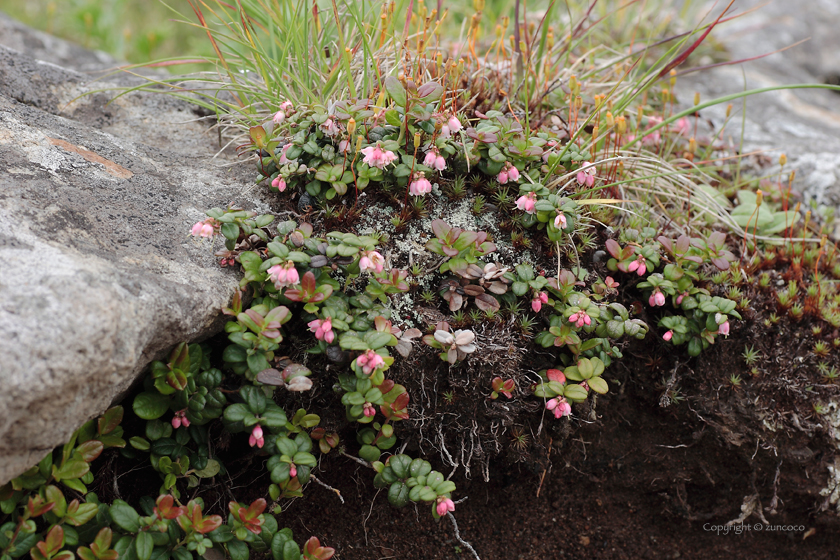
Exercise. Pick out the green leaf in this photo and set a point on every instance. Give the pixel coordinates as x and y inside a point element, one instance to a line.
<point>398,494</point>
<point>377,340</point>
<point>395,90</point>
<point>238,550</point>
<point>144,546</point>
<point>125,516</point>
<point>211,470</point>
<point>598,385</point>
<point>71,469</point>
<point>139,443</point>
<point>369,453</point>
<point>150,406</point>
<point>230,231</point>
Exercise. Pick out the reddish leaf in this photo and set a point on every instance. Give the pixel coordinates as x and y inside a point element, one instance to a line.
<point>313,550</point>
<point>37,507</point>
<point>255,509</point>
<point>90,450</point>
<point>53,542</point>
<point>308,283</point>
<point>110,420</point>
<point>208,524</point>
<point>271,377</point>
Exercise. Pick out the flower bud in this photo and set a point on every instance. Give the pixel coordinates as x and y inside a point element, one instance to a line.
<point>728,110</point>
<point>351,126</point>
<point>782,160</point>
<point>697,98</point>
<point>478,5</point>
<point>758,198</point>
<point>610,120</point>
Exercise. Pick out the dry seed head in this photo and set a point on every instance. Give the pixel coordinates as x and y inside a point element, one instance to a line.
<point>782,160</point>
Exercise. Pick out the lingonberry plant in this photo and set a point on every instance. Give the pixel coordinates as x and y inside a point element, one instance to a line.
<point>359,117</point>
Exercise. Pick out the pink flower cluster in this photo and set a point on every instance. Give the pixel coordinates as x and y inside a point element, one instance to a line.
<point>527,202</point>
<point>681,297</point>
<point>452,125</point>
<point>586,176</point>
<point>284,275</point>
<point>667,336</point>
<point>639,266</point>
<point>283,159</point>
<point>377,157</point>
<point>538,301</point>
<point>444,505</point>
<point>292,470</point>
<point>256,437</point>
<point>580,318</point>
<point>373,261</point>
<point>369,361</point>
<point>508,173</point>
<point>657,298</point>
<point>180,419</point>
<point>285,108</point>
<point>419,186</point>
<point>207,228</point>
<point>279,183</point>
<point>322,329</point>
<point>559,406</point>
<point>369,410</point>
<point>560,221</point>
<point>330,127</point>
<point>435,160</point>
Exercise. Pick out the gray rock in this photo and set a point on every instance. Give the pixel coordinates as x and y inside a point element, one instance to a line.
<point>804,124</point>
<point>99,275</point>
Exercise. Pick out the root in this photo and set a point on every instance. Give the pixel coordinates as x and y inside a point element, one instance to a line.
<point>458,536</point>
